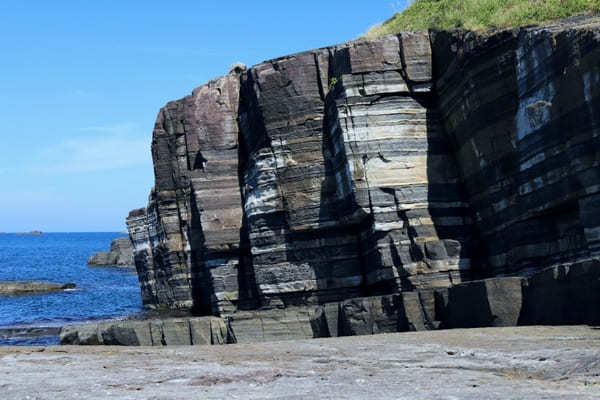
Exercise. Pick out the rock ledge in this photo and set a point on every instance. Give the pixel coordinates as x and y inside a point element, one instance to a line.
<point>21,288</point>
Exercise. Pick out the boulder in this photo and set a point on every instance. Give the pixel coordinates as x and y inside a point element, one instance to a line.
<point>564,295</point>
<point>489,302</point>
<point>127,333</point>
<point>372,315</point>
<point>270,325</point>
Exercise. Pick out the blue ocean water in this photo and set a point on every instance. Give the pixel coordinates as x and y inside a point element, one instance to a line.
<point>101,293</point>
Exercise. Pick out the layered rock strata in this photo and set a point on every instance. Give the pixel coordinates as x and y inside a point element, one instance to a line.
<point>554,296</point>
<point>522,109</point>
<point>170,332</point>
<point>316,177</point>
<point>396,167</point>
<point>188,240</point>
<point>121,254</point>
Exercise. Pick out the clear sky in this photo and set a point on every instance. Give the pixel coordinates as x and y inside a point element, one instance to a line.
<point>81,83</point>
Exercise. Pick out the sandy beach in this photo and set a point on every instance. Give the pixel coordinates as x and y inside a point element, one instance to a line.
<point>489,363</point>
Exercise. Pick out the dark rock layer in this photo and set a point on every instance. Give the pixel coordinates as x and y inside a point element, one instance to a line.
<point>396,169</point>
<point>554,296</point>
<point>521,108</point>
<point>171,332</point>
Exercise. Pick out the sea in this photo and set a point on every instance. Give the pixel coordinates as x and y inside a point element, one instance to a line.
<point>102,293</point>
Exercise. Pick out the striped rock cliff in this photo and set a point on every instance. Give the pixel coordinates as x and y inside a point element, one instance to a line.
<point>407,164</point>
<point>522,109</point>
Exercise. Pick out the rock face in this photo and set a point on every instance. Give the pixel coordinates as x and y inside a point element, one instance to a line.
<point>521,108</point>
<point>316,177</point>
<point>554,296</point>
<point>393,169</point>
<point>16,288</point>
<point>171,332</point>
<point>121,253</point>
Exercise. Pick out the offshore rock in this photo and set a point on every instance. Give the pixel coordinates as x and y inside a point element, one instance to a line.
<point>121,254</point>
<point>408,182</point>
<point>17,288</point>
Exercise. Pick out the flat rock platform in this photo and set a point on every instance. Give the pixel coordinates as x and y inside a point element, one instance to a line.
<point>488,363</point>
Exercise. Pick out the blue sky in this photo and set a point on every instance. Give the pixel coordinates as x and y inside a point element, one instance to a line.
<point>81,83</point>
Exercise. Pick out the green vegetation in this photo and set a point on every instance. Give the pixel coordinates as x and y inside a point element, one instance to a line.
<point>332,82</point>
<point>479,14</point>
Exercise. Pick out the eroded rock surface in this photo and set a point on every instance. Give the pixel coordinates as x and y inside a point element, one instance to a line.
<point>382,180</point>
<point>521,108</point>
<point>311,178</point>
<point>486,363</point>
<point>153,332</point>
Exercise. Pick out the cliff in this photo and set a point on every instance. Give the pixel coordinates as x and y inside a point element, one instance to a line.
<point>407,164</point>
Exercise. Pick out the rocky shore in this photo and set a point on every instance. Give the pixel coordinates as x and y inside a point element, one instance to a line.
<point>557,295</point>
<point>490,363</point>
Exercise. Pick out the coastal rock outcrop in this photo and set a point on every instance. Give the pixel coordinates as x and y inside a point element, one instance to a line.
<point>121,254</point>
<point>554,296</point>
<point>311,178</point>
<point>522,110</point>
<point>23,288</point>
<point>379,181</point>
<point>154,332</point>
<point>243,327</point>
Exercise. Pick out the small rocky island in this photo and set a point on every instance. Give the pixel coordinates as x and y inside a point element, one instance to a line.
<point>23,288</point>
<point>120,254</point>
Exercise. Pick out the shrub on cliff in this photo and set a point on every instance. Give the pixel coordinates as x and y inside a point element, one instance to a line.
<point>479,14</point>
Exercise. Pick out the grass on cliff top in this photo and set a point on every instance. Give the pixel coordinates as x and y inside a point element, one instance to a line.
<point>480,14</point>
